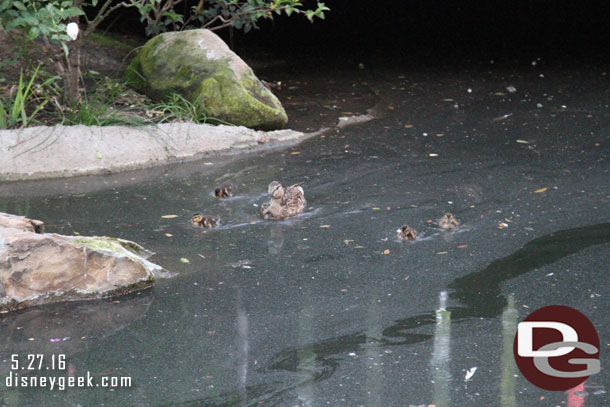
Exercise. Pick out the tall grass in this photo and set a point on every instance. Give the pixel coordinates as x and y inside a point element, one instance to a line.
<point>22,105</point>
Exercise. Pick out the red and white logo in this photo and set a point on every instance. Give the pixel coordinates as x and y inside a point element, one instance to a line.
<point>556,348</point>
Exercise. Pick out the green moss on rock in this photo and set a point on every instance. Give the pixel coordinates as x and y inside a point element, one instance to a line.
<point>198,65</point>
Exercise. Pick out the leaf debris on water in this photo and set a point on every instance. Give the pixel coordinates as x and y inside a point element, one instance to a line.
<point>184,260</point>
<point>541,190</point>
<point>324,226</point>
<point>470,372</point>
<point>462,246</point>
<point>432,155</point>
<point>169,216</point>
<point>522,141</point>
<point>169,235</point>
<point>386,251</point>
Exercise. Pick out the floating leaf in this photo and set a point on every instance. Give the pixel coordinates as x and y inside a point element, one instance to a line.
<point>386,251</point>
<point>295,153</point>
<point>169,235</point>
<point>376,209</point>
<point>522,141</point>
<point>358,247</point>
<point>98,155</point>
<point>539,191</point>
<point>408,126</point>
<point>432,155</point>
<point>442,253</point>
<point>462,246</point>
<point>184,260</point>
<point>324,226</point>
<point>169,216</point>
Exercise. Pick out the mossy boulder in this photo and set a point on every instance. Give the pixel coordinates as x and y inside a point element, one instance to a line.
<point>198,65</point>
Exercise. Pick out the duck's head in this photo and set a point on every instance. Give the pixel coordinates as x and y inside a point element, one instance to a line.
<point>197,218</point>
<point>448,221</point>
<point>275,190</point>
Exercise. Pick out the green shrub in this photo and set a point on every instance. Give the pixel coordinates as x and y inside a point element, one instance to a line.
<point>23,104</point>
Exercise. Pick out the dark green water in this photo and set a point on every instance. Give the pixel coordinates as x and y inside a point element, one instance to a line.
<point>310,311</point>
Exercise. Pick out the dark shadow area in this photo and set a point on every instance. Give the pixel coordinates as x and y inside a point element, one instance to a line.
<point>412,31</point>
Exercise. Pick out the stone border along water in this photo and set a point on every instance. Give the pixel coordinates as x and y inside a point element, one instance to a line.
<point>68,151</point>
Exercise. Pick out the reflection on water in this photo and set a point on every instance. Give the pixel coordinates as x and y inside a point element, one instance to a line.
<point>480,293</point>
<point>441,354</point>
<point>372,357</point>
<point>576,396</point>
<point>67,328</point>
<point>242,348</point>
<point>508,379</point>
<point>306,365</point>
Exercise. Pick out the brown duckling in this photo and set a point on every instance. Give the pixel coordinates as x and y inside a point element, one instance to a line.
<point>406,233</point>
<point>224,191</point>
<point>448,221</point>
<point>283,202</point>
<point>202,221</point>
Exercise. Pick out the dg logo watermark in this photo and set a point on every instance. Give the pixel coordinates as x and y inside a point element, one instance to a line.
<point>556,348</point>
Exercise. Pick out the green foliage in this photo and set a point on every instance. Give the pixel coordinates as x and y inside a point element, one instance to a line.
<point>177,108</point>
<point>37,18</point>
<point>101,107</point>
<point>49,19</point>
<point>23,104</point>
<point>218,14</point>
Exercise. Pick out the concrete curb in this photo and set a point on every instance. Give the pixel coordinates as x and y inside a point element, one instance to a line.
<point>66,151</point>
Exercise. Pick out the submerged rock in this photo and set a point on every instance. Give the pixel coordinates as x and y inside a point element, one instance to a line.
<point>45,268</point>
<point>198,65</point>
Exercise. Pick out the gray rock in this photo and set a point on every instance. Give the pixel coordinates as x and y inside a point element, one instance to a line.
<point>199,66</point>
<point>45,268</point>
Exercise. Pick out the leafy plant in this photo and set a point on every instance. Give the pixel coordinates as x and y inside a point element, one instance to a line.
<point>177,108</point>
<point>64,23</point>
<point>101,107</point>
<point>218,14</point>
<point>18,109</point>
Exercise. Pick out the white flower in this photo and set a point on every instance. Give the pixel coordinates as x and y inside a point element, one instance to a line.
<point>72,30</point>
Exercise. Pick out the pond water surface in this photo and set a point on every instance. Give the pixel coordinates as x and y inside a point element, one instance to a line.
<point>329,308</point>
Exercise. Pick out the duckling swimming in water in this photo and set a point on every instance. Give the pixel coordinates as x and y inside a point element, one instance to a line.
<point>201,221</point>
<point>448,221</point>
<point>224,191</point>
<point>406,233</point>
<point>283,202</point>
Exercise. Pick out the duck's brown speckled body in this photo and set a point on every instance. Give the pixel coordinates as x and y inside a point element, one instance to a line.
<point>283,202</point>
<point>406,233</point>
<point>224,191</point>
<point>202,221</point>
<point>448,221</point>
